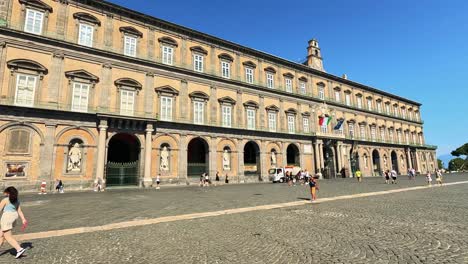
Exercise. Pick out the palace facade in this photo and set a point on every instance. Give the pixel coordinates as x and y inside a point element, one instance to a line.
<point>91,90</point>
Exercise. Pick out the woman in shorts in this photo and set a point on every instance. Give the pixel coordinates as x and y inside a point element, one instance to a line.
<point>313,185</point>
<point>11,211</point>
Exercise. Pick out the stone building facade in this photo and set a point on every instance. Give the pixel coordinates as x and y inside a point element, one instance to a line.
<point>91,90</point>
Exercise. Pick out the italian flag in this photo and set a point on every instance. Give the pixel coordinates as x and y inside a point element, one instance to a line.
<point>324,120</point>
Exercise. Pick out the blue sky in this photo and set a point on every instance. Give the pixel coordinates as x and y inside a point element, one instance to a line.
<point>416,49</point>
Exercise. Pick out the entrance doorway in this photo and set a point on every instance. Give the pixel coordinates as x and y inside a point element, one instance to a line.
<point>292,155</point>
<point>197,157</point>
<point>376,163</point>
<point>123,157</point>
<point>329,170</point>
<point>395,162</point>
<point>252,159</point>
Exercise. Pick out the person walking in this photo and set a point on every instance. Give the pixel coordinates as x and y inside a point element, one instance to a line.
<point>313,185</point>
<point>59,186</point>
<point>359,175</point>
<point>158,182</point>
<point>226,180</point>
<point>387,176</point>
<point>439,177</point>
<point>202,180</point>
<point>394,175</point>
<point>429,179</point>
<point>11,211</point>
<point>207,180</point>
<point>217,178</point>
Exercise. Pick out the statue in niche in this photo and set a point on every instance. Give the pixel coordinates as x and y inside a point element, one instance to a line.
<point>273,158</point>
<point>74,158</point>
<point>385,161</point>
<point>164,159</point>
<point>226,160</point>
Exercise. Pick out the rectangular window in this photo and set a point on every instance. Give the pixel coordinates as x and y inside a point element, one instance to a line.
<point>387,109</point>
<point>272,121</point>
<point>324,129</point>
<point>321,93</point>
<point>305,124</point>
<point>34,21</point>
<point>270,80</point>
<point>416,116</point>
<point>363,132</point>
<point>227,115</point>
<point>198,62</point>
<point>80,97</point>
<point>198,112</point>
<point>420,139</point>
<point>399,136</point>
<point>373,133</point>
<point>127,102</point>
<point>337,96</point>
<point>348,99</point>
<point>167,55</point>
<point>130,46</point>
<point>250,119</point>
<point>166,108</point>
<point>379,107</point>
<point>403,113</point>
<point>359,102</point>
<point>369,104</point>
<point>302,87</point>
<point>226,69</point>
<point>85,36</point>
<point>288,83</point>
<point>382,134</point>
<point>291,124</point>
<point>351,130</point>
<point>390,135</point>
<point>25,89</point>
<point>413,135</point>
<point>249,75</point>
<point>395,111</point>
<point>407,138</point>
<point>410,115</point>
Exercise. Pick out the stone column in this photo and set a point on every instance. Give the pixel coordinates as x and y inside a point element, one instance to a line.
<point>213,157</point>
<point>62,19</point>
<point>240,160</point>
<point>322,162</point>
<point>183,101</point>
<point>263,161</point>
<point>109,33</point>
<point>47,152</point>
<point>284,153</point>
<point>282,116</point>
<point>55,80</point>
<point>261,105</point>
<point>106,86</point>
<point>213,103</point>
<point>418,164</point>
<point>408,157</point>
<point>317,156</point>
<point>101,151</point>
<point>239,110</point>
<point>149,94</point>
<point>183,159</point>
<point>338,154</point>
<point>147,181</point>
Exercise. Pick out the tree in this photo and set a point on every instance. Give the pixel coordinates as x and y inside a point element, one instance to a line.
<point>461,151</point>
<point>440,163</point>
<point>456,164</point>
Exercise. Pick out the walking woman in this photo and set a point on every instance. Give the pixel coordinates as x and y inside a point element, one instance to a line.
<point>11,210</point>
<point>313,184</point>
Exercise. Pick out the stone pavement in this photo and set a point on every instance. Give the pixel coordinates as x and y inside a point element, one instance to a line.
<point>424,226</point>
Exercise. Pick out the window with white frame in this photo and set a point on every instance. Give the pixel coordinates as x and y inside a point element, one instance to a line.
<point>359,102</point>
<point>25,89</point>
<point>167,55</point>
<point>225,69</point>
<point>348,99</point>
<point>127,102</point>
<point>249,75</point>
<point>382,133</point>
<point>324,128</point>
<point>395,110</point>
<point>420,139</point>
<point>270,78</point>
<point>351,129</point>
<point>410,115</point>
<point>198,112</point>
<point>130,46</point>
<point>403,113</point>
<point>413,135</point>
<point>34,21</point>
<point>272,121</point>
<point>387,109</point>
<point>80,97</point>
<point>399,136</point>
<point>291,124</point>
<point>305,124</point>
<point>373,133</point>
<point>321,92</point>
<point>198,62</point>
<point>362,131</point>
<point>302,87</point>
<point>226,115</point>
<point>337,96</point>
<point>85,35</point>
<point>369,104</point>
<point>379,107</point>
<point>416,116</point>
<point>166,108</point>
<point>251,119</point>
<point>288,83</point>
<point>407,139</point>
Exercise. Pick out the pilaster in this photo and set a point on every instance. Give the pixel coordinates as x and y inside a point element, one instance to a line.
<point>149,94</point>
<point>213,157</point>
<point>183,158</point>
<point>239,110</point>
<point>183,101</point>
<point>62,19</point>
<point>47,152</point>
<point>263,161</point>
<point>261,103</point>
<point>183,52</point>
<point>151,43</point>
<point>106,86</point>
<point>2,65</point>
<point>240,160</point>
<point>147,181</point>
<point>109,32</point>
<point>101,151</point>
<point>55,80</point>
<point>213,104</point>
<point>282,115</point>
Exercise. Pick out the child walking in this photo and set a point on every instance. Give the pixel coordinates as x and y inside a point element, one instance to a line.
<point>11,211</point>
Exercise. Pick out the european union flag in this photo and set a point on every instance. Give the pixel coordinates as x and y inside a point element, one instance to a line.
<point>339,124</point>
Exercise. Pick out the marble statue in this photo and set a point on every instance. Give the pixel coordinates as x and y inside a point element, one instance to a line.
<point>273,158</point>
<point>74,158</point>
<point>164,159</point>
<point>226,160</point>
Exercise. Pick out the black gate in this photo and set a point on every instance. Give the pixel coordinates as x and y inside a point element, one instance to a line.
<point>122,174</point>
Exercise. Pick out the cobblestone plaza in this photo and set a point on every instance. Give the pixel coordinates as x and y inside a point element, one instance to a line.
<point>425,225</point>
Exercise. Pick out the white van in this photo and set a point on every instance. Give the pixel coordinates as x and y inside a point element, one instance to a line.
<point>278,174</point>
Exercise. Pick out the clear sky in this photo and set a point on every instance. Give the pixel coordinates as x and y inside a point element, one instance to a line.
<point>415,49</point>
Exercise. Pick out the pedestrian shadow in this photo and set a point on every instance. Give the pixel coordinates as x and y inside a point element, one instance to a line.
<point>302,198</point>
<point>12,251</point>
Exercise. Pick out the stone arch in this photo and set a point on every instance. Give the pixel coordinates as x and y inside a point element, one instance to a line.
<point>22,124</point>
<point>58,137</point>
<point>198,149</point>
<point>158,139</point>
<point>252,163</point>
<point>293,154</point>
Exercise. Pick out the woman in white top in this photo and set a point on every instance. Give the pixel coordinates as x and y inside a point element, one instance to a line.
<point>11,211</point>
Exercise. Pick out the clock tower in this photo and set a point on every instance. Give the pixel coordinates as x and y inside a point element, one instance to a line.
<point>314,55</point>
